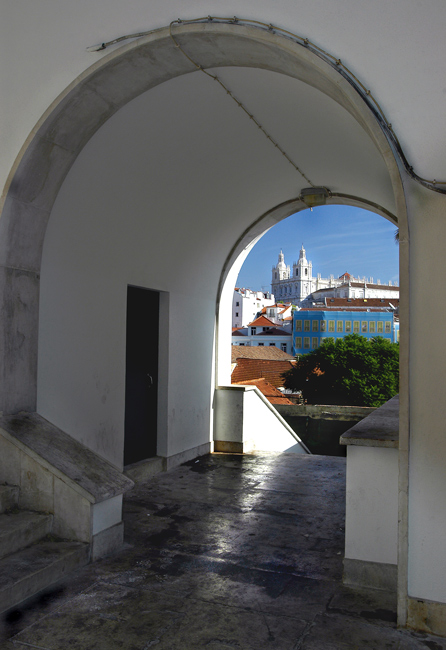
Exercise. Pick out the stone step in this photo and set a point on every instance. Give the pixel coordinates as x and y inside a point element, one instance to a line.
<point>36,568</point>
<point>9,497</point>
<point>21,529</point>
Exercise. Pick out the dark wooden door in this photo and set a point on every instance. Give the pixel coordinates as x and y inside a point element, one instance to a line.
<point>141,378</point>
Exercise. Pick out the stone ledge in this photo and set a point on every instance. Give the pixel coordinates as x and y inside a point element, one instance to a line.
<point>379,429</point>
<point>375,575</point>
<point>84,471</point>
<point>426,616</point>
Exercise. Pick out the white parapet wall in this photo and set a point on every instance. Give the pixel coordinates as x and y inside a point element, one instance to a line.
<point>371,524</point>
<point>245,421</point>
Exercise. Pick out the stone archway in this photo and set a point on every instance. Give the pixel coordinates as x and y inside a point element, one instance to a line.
<point>54,144</point>
<point>244,245</point>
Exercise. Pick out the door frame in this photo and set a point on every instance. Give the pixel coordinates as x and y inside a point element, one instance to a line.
<point>162,446</point>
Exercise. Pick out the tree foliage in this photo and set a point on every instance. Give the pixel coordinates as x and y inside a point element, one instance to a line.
<point>352,371</point>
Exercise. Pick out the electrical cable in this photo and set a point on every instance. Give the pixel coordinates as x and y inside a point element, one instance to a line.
<point>334,62</point>
<point>240,105</point>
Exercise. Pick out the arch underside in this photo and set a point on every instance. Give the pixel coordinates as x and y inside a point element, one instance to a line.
<point>315,113</point>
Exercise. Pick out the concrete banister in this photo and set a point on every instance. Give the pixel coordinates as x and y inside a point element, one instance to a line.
<point>59,475</point>
<point>246,421</point>
<point>371,528</point>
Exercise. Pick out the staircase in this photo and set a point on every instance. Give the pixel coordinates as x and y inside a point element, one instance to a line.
<point>31,557</point>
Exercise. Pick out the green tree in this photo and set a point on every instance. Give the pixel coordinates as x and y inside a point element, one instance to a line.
<point>351,371</point>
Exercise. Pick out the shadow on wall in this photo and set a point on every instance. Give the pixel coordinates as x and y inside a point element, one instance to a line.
<point>320,427</point>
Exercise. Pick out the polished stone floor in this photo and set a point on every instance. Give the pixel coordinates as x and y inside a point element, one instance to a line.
<point>227,552</point>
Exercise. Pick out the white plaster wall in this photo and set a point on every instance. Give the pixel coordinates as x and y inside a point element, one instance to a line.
<point>229,414</point>
<point>156,199</point>
<point>244,415</point>
<point>264,429</point>
<point>371,522</point>
<point>43,49</point>
<point>427,476</point>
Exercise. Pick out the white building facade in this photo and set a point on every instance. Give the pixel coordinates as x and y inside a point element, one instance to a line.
<point>300,285</point>
<point>247,304</point>
<point>264,332</point>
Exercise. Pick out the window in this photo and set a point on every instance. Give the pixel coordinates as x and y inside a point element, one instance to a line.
<point>315,326</point>
<point>298,326</point>
<point>261,344</point>
<point>298,342</point>
<point>306,342</point>
<point>236,313</point>
<point>331,326</point>
<point>283,347</point>
<point>241,344</point>
<point>314,342</point>
<point>265,329</point>
<point>364,327</point>
<point>348,326</point>
<point>306,271</point>
<point>356,326</point>
<point>340,326</point>
<point>380,327</point>
<point>372,327</point>
<point>387,327</point>
<point>306,325</point>
<point>273,344</point>
<point>297,271</point>
<point>253,331</point>
<point>323,326</point>
<point>237,304</point>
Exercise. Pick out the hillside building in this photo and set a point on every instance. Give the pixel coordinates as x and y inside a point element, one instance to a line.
<point>263,332</point>
<point>312,326</point>
<point>299,285</point>
<point>247,305</point>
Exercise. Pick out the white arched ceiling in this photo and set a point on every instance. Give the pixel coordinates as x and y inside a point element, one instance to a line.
<point>396,48</point>
<point>157,198</point>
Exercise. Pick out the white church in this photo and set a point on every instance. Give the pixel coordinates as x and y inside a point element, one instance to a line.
<point>302,289</point>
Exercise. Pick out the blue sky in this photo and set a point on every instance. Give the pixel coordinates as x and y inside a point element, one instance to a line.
<point>337,239</point>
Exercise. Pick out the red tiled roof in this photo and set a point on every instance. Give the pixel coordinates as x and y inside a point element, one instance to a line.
<point>271,393</point>
<point>361,302</point>
<point>275,331</point>
<point>360,285</point>
<point>389,287</point>
<point>266,352</point>
<point>262,321</point>
<point>356,310</point>
<point>271,370</point>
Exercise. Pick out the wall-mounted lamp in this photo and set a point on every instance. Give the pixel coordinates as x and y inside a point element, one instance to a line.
<point>313,196</point>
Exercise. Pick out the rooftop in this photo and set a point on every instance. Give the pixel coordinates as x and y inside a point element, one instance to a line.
<point>259,352</point>
<point>362,302</point>
<point>227,551</point>
<point>272,394</point>
<point>275,331</point>
<point>359,284</point>
<point>271,370</point>
<point>262,321</point>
